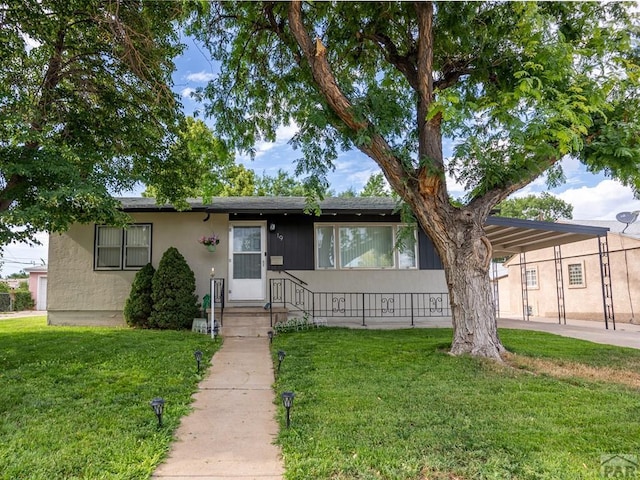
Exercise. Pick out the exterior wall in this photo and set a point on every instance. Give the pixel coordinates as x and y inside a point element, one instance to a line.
<point>80,295</point>
<point>581,302</point>
<point>380,281</point>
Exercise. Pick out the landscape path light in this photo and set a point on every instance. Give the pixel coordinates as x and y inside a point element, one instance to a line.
<point>287,401</point>
<point>216,330</point>
<point>270,335</point>
<point>198,355</point>
<point>281,355</point>
<point>158,407</point>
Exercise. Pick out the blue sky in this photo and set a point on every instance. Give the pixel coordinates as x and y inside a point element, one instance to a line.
<point>594,197</point>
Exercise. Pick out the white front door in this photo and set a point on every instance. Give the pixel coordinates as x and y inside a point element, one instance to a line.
<point>247,261</point>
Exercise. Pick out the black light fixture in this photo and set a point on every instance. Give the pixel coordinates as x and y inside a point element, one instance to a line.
<point>216,330</point>
<point>281,355</point>
<point>158,406</point>
<point>198,355</point>
<point>287,401</point>
<point>270,335</point>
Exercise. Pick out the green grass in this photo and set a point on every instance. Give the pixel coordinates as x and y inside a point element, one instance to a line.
<point>395,405</point>
<point>74,402</point>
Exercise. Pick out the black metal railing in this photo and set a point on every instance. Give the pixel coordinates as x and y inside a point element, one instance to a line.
<point>362,306</point>
<point>217,296</point>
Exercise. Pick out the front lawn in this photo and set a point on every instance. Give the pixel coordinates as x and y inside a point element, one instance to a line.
<point>395,405</point>
<point>74,402</point>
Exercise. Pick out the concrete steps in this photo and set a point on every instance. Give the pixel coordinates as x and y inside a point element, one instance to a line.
<point>246,321</point>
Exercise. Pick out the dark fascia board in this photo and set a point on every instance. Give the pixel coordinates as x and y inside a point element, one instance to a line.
<point>281,205</point>
<point>550,226</point>
<point>371,205</point>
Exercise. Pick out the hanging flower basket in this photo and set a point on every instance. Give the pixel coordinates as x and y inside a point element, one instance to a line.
<point>210,242</point>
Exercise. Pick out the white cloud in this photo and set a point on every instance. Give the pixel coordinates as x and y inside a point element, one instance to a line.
<point>200,77</point>
<point>186,92</point>
<point>600,202</point>
<point>284,133</point>
<point>455,189</point>
<point>352,170</point>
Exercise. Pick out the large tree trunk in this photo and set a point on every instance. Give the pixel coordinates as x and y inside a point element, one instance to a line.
<point>475,329</point>
<point>466,255</point>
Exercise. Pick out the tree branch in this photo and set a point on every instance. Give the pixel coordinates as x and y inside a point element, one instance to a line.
<point>452,71</point>
<point>484,203</point>
<point>377,148</point>
<point>404,63</point>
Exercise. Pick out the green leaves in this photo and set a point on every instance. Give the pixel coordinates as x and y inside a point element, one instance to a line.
<point>545,207</point>
<point>87,109</point>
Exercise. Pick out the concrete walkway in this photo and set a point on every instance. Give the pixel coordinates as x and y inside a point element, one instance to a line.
<point>625,334</point>
<point>231,431</point>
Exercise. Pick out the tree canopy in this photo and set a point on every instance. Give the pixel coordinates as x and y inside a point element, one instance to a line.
<point>86,109</point>
<point>516,85</point>
<point>376,186</point>
<point>197,165</point>
<point>545,207</point>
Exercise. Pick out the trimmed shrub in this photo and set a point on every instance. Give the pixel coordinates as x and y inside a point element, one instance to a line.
<point>173,293</point>
<point>23,300</point>
<point>138,307</point>
<point>4,288</point>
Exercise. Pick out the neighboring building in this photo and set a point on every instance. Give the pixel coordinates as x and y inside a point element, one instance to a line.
<point>350,248</point>
<point>571,278</point>
<point>38,285</point>
<point>14,283</point>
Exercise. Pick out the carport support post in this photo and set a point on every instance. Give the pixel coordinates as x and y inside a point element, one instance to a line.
<point>557,255</point>
<point>523,284</point>
<point>496,289</point>
<point>605,281</point>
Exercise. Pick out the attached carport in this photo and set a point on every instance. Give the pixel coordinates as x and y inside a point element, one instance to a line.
<point>513,236</point>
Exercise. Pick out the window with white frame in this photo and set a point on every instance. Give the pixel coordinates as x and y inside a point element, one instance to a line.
<point>122,248</point>
<point>373,246</point>
<point>531,275</point>
<point>576,274</point>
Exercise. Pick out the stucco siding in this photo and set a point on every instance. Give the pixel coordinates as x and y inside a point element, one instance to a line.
<point>582,302</point>
<point>78,294</point>
<point>380,281</point>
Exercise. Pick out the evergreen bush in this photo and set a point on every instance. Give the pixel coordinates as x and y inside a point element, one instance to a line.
<point>23,300</point>
<point>139,305</point>
<point>173,293</point>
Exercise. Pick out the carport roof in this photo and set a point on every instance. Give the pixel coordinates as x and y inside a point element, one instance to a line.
<point>508,236</point>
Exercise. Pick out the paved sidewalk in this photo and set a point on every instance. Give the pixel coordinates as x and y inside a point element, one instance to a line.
<point>230,433</point>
